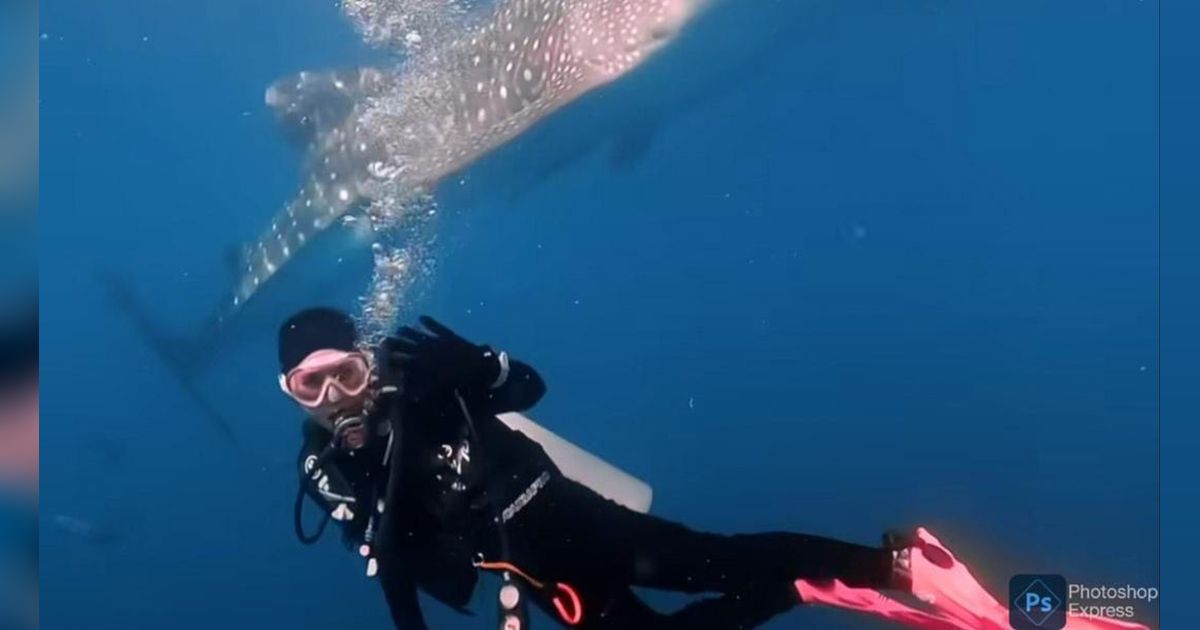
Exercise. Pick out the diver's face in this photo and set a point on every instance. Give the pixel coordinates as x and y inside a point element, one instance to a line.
<point>19,430</point>
<point>332,385</point>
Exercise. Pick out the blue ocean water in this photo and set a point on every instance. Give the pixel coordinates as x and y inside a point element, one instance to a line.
<point>893,264</point>
<point>1181,304</point>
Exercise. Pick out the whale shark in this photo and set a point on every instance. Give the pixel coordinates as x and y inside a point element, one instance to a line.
<point>721,55</point>
<point>370,132</point>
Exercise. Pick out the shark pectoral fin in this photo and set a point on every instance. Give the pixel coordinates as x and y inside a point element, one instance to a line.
<point>632,145</point>
<point>184,357</point>
<point>311,103</point>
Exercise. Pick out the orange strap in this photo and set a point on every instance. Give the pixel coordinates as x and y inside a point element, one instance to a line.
<point>567,602</point>
<point>511,568</point>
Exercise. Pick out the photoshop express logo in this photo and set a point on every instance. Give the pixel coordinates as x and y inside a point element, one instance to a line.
<point>1037,602</point>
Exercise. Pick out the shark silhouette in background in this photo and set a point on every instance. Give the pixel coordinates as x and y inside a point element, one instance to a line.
<point>367,130</point>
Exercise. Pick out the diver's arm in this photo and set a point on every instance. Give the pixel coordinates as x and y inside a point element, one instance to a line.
<point>514,386</point>
<point>437,362</point>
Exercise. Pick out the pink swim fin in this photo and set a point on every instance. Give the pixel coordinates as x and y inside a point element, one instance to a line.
<point>954,599</point>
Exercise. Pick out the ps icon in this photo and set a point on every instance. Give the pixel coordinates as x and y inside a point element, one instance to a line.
<point>1037,602</point>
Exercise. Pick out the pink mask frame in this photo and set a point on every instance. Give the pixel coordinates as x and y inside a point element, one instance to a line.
<point>312,382</point>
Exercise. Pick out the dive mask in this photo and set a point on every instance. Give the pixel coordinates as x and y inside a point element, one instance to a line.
<point>326,377</point>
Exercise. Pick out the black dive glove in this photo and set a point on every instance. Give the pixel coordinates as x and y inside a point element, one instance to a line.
<point>436,360</point>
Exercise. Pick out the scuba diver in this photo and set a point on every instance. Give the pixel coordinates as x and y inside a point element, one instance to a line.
<point>403,448</point>
<point>19,460</point>
<point>19,415</point>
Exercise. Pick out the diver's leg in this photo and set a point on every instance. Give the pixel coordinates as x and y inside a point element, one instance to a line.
<point>570,532</point>
<point>674,557</point>
<point>749,608</point>
<point>662,554</point>
<point>619,608</point>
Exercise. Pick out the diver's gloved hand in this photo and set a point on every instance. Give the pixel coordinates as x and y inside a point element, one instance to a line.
<point>437,360</point>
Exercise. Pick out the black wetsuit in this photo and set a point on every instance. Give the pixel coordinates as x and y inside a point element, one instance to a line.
<point>460,471</point>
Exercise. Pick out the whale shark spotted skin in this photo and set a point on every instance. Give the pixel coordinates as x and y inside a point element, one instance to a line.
<point>367,129</point>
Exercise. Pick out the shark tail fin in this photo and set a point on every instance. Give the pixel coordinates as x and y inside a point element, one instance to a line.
<point>184,356</point>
